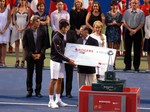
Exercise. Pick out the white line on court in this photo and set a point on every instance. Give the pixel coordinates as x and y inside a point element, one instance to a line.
<point>40,104</point>
<point>31,104</point>
<point>141,108</point>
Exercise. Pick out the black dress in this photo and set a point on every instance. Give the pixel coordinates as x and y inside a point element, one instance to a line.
<point>146,47</point>
<point>44,27</point>
<point>93,18</point>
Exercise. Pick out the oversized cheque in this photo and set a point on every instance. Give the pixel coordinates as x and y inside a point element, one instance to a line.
<point>90,55</point>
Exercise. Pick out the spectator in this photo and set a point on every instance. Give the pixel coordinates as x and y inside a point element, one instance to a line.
<point>12,4</point>
<point>57,15</point>
<point>147,40</point>
<point>77,16</point>
<point>5,18</point>
<point>70,38</point>
<point>94,15</point>
<point>86,74</point>
<point>89,9</point>
<point>56,65</point>
<point>144,7</point>
<point>44,20</point>
<point>53,6</point>
<point>34,43</point>
<point>133,21</point>
<point>124,8</point>
<point>113,23</point>
<point>21,18</point>
<point>101,38</point>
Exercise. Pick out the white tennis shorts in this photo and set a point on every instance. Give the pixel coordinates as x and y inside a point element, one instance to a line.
<point>57,70</point>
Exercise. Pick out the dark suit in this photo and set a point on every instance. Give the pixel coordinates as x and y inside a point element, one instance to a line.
<point>86,74</point>
<point>34,48</point>
<point>70,38</point>
<point>87,69</point>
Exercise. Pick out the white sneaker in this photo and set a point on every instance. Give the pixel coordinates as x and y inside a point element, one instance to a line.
<point>61,104</point>
<point>53,105</point>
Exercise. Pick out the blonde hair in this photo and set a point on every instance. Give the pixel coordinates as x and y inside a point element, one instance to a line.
<point>74,7</point>
<point>98,23</point>
<point>26,5</point>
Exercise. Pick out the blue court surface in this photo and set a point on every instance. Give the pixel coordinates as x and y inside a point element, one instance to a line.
<point>13,91</point>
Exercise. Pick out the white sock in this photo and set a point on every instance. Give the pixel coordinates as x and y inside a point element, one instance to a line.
<point>51,98</point>
<point>57,98</point>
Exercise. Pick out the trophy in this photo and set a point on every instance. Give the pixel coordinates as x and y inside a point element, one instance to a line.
<point>110,74</point>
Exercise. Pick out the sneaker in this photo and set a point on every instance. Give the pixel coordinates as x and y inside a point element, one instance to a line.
<point>53,105</point>
<point>147,71</point>
<point>61,104</point>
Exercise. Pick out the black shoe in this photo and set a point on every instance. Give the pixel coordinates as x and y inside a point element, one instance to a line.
<point>38,95</point>
<point>126,69</point>
<point>69,96</point>
<point>29,94</point>
<point>136,70</point>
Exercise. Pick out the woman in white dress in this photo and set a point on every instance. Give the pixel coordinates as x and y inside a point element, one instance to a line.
<point>101,38</point>
<point>4,30</point>
<point>21,19</point>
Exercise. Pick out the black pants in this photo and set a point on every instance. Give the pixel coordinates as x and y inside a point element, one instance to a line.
<point>69,77</point>
<point>136,41</point>
<point>38,65</point>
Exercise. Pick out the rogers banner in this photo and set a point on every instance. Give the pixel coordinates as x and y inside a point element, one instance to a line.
<point>90,55</point>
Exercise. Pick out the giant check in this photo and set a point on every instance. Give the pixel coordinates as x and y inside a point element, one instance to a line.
<point>90,55</point>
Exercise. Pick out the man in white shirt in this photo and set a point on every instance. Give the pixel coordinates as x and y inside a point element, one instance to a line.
<point>58,14</point>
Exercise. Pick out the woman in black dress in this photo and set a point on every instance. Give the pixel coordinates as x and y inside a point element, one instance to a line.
<point>94,15</point>
<point>77,16</point>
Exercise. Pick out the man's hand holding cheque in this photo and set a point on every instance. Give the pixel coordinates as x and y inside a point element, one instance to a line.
<point>71,62</point>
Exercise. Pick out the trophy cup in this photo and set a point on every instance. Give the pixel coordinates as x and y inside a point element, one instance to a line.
<point>110,74</point>
<point>110,82</point>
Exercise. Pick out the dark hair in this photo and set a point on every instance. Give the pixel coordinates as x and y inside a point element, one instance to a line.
<point>59,1</point>
<point>113,3</point>
<point>40,3</point>
<point>34,18</point>
<point>63,23</point>
<point>85,28</point>
<point>96,2</point>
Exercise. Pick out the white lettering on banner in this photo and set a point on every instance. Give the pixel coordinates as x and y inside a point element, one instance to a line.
<point>90,55</point>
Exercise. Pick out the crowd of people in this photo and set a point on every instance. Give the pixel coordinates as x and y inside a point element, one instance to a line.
<point>29,31</point>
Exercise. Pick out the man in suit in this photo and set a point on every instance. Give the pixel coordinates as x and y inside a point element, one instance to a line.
<point>34,44</point>
<point>70,38</point>
<point>86,74</point>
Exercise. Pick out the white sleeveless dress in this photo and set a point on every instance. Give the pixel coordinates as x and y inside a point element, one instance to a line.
<point>21,21</point>
<point>4,38</point>
<point>101,68</point>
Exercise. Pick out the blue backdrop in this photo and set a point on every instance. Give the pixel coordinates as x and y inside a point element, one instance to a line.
<point>105,4</point>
